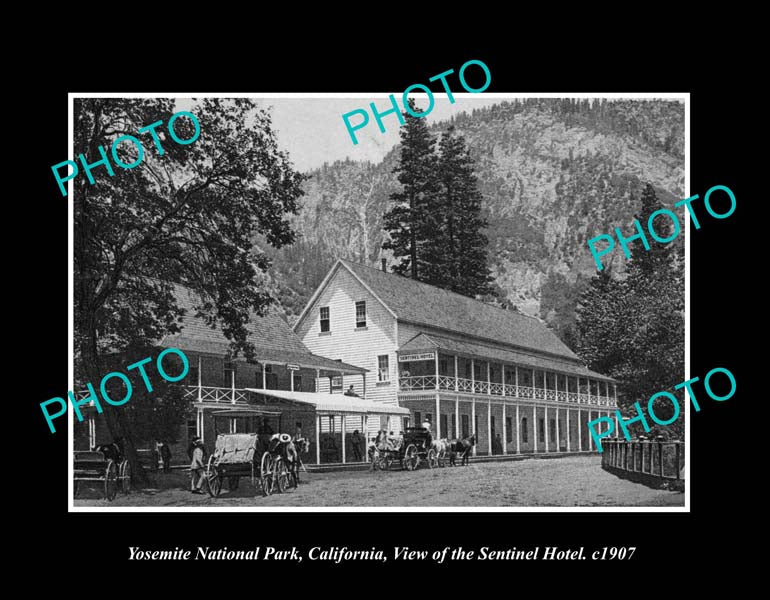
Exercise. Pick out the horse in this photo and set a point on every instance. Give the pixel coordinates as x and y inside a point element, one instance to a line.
<point>441,448</point>
<point>462,447</point>
<point>289,450</point>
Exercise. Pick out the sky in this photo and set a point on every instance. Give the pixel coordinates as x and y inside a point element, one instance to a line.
<point>312,130</point>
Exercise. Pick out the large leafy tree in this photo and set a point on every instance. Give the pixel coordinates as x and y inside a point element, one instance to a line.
<point>632,328</point>
<point>461,244</point>
<point>188,216</point>
<point>412,220</point>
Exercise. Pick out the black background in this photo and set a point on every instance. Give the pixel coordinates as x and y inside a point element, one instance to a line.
<point>670,547</point>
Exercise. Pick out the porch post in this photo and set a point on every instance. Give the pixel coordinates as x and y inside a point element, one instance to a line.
<point>579,426</point>
<point>489,383</point>
<point>590,437</point>
<point>534,421</point>
<point>457,388</point>
<point>473,378</point>
<point>438,417</point>
<point>518,431</point>
<point>502,379</point>
<point>318,439</point>
<point>436,369</point>
<point>363,381</point>
<point>516,376</point>
<point>457,417</point>
<point>558,441</point>
<point>291,381</point>
<point>344,426</point>
<point>264,376</point>
<point>317,379</point>
<point>546,428</point>
<point>505,422</point>
<point>569,447</point>
<point>489,422</point>
<point>232,384</point>
<point>365,431</point>
<point>200,387</point>
<point>473,418</point>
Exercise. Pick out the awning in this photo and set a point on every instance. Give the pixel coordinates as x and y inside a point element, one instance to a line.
<point>246,411</point>
<point>334,403</point>
<point>429,343</point>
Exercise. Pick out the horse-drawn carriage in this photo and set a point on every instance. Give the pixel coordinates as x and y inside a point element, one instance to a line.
<point>112,471</point>
<point>271,461</point>
<point>409,452</point>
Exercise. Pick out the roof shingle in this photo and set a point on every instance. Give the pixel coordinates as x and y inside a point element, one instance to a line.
<point>424,304</point>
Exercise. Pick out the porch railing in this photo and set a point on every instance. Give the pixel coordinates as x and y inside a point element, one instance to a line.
<point>449,383</point>
<point>663,459</point>
<point>216,394</point>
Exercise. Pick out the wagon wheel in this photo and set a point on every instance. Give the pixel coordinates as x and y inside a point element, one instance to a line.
<point>387,460</point>
<point>233,482</point>
<point>266,474</point>
<point>110,480</point>
<point>411,458</point>
<point>280,474</point>
<point>293,476</point>
<point>432,459</point>
<point>125,477</point>
<point>213,478</point>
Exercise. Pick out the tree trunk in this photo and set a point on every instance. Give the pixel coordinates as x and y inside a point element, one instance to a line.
<point>116,423</point>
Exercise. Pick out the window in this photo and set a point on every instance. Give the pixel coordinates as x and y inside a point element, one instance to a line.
<point>192,429</point>
<point>258,377</point>
<point>297,383</point>
<point>417,418</point>
<point>442,366</point>
<point>192,375</point>
<point>325,319</point>
<point>383,368</point>
<point>508,429</point>
<point>552,427</point>
<point>228,373</point>
<point>406,422</point>
<point>337,383</point>
<point>541,429</point>
<point>361,313</point>
<point>524,431</point>
<point>465,426</point>
<point>444,426</point>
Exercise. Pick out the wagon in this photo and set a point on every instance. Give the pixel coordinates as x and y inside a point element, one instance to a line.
<point>239,455</point>
<point>94,466</point>
<point>414,449</point>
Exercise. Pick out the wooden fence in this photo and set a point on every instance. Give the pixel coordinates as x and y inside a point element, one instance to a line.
<point>656,458</point>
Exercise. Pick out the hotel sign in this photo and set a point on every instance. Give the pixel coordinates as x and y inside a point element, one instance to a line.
<point>416,357</point>
<point>292,367</point>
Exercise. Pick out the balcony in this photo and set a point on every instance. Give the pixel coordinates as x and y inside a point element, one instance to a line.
<point>483,388</point>
<point>216,394</point>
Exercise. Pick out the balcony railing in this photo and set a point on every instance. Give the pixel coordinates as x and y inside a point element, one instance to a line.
<point>446,382</point>
<point>216,394</point>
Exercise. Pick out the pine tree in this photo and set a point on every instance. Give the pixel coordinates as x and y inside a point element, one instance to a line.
<point>412,221</point>
<point>460,245</point>
<point>633,329</point>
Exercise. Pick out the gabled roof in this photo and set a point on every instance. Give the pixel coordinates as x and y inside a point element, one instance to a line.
<point>424,341</point>
<point>273,338</point>
<point>422,304</point>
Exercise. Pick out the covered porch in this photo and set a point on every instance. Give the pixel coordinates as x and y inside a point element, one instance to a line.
<point>337,426</point>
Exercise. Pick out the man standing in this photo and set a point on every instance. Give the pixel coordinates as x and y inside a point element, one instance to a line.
<point>165,456</point>
<point>197,467</point>
<point>357,443</point>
